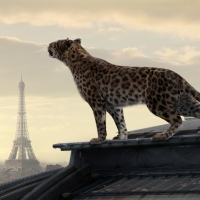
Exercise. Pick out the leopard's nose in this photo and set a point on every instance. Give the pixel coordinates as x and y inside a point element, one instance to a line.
<point>50,52</point>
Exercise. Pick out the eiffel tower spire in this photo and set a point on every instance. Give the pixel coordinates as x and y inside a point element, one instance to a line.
<point>22,157</point>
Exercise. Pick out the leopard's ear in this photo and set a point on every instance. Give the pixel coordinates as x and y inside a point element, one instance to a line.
<point>68,42</point>
<point>78,40</point>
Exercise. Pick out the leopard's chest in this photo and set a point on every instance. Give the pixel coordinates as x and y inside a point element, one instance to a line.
<point>78,79</point>
<point>84,84</point>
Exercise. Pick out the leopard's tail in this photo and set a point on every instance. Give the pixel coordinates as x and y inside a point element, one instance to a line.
<point>192,91</point>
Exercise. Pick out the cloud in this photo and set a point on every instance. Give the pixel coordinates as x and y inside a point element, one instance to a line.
<point>155,15</point>
<point>40,72</point>
<point>126,56</point>
<point>15,39</point>
<point>187,55</point>
<point>129,52</point>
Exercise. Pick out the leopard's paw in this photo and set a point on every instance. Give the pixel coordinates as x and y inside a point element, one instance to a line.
<point>159,136</point>
<point>121,137</point>
<point>116,137</point>
<point>96,141</point>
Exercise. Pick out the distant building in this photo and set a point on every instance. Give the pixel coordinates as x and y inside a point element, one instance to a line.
<point>22,160</point>
<point>50,167</point>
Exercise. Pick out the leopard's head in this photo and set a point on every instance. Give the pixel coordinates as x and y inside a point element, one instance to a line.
<point>66,51</point>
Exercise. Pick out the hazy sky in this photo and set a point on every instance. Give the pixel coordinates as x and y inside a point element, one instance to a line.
<point>155,33</point>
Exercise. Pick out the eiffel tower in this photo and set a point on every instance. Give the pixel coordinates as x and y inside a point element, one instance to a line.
<point>22,158</point>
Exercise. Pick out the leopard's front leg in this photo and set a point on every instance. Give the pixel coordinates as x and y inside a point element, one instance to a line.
<point>100,118</point>
<point>118,116</point>
<point>98,105</point>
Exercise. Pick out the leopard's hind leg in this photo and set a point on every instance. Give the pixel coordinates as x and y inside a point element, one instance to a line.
<point>161,95</point>
<point>169,114</point>
<point>175,121</point>
<point>188,106</point>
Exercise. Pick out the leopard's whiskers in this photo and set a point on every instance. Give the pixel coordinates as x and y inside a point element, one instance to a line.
<point>43,49</point>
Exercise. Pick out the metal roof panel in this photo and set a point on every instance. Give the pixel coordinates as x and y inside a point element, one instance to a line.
<point>188,125</point>
<point>138,188</point>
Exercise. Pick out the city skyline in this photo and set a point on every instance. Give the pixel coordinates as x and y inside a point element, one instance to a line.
<point>132,33</point>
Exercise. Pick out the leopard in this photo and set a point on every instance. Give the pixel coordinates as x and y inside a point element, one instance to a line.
<point>108,88</point>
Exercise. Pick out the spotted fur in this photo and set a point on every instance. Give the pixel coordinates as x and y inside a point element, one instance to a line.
<point>108,87</point>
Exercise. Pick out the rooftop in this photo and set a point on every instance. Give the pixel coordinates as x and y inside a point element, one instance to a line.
<point>137,168</point>
<point>143,137</point>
